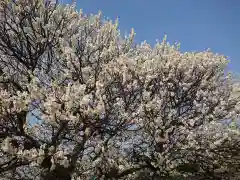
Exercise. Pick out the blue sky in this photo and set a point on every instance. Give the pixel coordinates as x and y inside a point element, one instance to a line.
<point>196,24</point>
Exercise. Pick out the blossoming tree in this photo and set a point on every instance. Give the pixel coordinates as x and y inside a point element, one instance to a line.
<point>108,109</point>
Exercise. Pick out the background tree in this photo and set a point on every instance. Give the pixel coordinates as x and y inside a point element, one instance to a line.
<point>108,109</point>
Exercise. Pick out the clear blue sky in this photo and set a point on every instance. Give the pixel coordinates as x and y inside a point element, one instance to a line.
<point>196,24</point>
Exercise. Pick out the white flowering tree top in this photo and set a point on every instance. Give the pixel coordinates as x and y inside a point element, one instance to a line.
<point>108,109</point>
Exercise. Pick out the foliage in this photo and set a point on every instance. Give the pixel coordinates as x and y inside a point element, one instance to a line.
<point>108,109</point>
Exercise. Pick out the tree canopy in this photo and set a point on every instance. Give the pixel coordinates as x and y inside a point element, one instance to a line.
<point>108,109</point>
